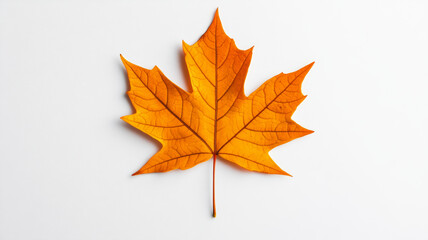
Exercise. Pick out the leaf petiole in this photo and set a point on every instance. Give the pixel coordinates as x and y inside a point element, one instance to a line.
<point>214,210</point>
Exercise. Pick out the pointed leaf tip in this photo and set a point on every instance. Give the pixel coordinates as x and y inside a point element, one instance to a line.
<point>216,19</point>
<point>285,173</point>
<point>123,59</point>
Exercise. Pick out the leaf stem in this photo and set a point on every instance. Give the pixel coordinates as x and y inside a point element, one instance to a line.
<point>214,210</point>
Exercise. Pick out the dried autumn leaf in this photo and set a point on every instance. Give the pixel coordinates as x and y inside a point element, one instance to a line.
<point>215,118</point>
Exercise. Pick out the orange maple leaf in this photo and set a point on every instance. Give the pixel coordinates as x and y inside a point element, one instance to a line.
<point>215,118</point>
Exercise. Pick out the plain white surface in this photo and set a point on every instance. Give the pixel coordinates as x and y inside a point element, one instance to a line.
<point>66,158</point>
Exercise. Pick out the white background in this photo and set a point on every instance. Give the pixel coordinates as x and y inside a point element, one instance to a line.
<point>66,158</point>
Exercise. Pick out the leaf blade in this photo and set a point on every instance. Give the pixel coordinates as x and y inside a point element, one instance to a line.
<point>263,121</point>
<point>165,120</point>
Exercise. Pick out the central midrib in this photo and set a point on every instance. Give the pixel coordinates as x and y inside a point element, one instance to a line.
<point>216,90</point>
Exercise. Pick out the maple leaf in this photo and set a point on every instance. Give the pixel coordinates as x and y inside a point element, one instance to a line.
<point>215,118</point>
